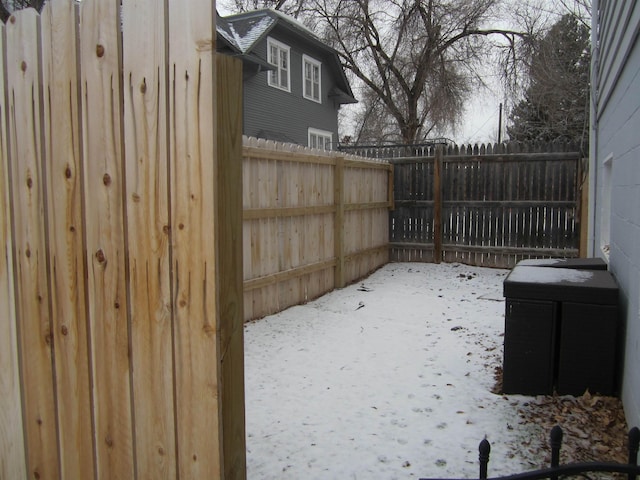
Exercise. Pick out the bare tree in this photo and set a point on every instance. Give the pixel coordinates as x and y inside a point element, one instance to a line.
<point>295,8</point>
<point>417,57</point>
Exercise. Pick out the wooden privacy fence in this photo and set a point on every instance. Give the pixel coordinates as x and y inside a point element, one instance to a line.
<point>313,221</point>
<point>120,275</point>
<point>488,206</point>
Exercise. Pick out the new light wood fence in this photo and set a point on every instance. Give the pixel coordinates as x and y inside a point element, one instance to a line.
<point>120,318</point>
<point>313,221</point>
<point>488,206</point>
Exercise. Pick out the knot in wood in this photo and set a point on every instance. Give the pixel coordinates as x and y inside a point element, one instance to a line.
<point>100,256</point>
<point>106,179</point>
<point>100,50</point>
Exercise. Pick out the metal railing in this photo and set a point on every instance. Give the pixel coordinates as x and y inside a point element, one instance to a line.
<point>631,469</point>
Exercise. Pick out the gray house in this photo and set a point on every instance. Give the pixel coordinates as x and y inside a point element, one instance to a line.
<point>294,84</point>
<point>614,183</point>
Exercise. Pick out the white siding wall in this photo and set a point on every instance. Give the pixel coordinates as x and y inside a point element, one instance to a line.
<point>615,170</point>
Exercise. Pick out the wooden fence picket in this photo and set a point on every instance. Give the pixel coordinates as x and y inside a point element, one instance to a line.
<point>32,287</point>
<point>104,230</point>
<point>63,178</point>
<point>12,449</point>
<point>147,207</point>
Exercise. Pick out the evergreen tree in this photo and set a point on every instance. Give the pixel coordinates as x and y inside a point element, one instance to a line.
<point>555,106</point>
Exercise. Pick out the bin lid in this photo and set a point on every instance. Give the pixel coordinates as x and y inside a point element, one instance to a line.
<point>561,284</point>
<point>585,263</point>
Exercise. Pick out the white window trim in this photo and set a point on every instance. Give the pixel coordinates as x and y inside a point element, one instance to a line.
<point>320,133</point>
<point>309,96</point>
<point>605,208</point>
<point>285,47</point>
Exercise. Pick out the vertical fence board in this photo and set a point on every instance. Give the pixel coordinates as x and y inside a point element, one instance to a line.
<point>147,216</point>
<point>29,206</point>
<point>67,266</point>
<point>339,227</point>
<point>437,206</point>
<point>105,237</point>
<point>12,453</point>
<point>195,237</point>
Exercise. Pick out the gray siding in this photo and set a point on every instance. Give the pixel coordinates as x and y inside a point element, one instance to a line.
<point>616,136</point>
<point>289,114</point>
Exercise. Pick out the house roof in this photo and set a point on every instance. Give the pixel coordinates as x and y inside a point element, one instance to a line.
<point>242,32</point>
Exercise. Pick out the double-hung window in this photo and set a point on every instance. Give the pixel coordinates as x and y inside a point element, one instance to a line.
<point>311,70</point>
<point>278,57</point>
<point>320,139</point>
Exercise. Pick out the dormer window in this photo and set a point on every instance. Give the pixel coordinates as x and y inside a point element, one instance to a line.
<point>311,78</point>
<point>278,56</point>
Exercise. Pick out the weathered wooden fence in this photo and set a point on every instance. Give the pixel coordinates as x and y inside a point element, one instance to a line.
<point>313,221</point>
<point>120,275</point>
<point>488,206</point>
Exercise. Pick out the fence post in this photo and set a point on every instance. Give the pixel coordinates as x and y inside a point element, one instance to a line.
<point>437,205</point>
<point>634,442</point>
<point>229,215</point>
<point>390,187</point>
<point>485,450</point>
<point>338,224</point>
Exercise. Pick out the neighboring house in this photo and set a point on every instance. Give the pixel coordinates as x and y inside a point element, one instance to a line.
<point>294,84</point>
<point>615,171</point>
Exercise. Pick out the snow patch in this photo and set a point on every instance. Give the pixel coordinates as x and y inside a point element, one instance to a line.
<point>391,377</point>
<point>549,275</point>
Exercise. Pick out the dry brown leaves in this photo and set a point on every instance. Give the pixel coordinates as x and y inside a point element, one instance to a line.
<point>594,428</point>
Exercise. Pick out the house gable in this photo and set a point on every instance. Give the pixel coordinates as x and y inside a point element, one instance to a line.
<point>281,105</point>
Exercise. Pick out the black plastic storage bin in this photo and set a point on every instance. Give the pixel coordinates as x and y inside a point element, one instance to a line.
<point>569,316</point>
<point>529,347</point>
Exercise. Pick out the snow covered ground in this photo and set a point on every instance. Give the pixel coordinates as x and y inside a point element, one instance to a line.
<point>388,378</point>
